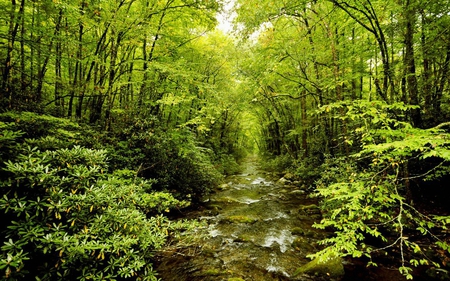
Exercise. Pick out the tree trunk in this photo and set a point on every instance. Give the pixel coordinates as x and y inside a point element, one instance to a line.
<point>304,118</point>
<point>7,66</point>
<point>58,69</point>
<point>426,84</point>
<point>372,24</point>
<point>441,81</point>
<point>410,65</point>
<point>110,95</point>
<point>23,80</point>
<point>319,93</point>
<point>79,73</point>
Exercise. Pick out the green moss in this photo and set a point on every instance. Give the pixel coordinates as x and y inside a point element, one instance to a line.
<point>213,272</point>
<point>226,200</point>
<point>310,234</point>
<point>297,231</point>
<point>240,219</point>
<point>330,266</point>
<point>302,244</point>
<point>309,207</point>
<point>235,279</point>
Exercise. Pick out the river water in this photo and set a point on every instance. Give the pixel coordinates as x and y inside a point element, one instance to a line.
<point>257,229</point>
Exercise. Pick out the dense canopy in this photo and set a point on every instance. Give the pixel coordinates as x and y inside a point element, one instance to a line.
<point>115,112</point>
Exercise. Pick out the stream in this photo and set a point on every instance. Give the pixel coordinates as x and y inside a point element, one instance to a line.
<point>258,229</point>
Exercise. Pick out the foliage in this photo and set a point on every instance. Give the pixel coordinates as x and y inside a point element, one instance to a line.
<point>65,217</point>
<point>27,128</point>
<point>227,165</point>
<point>367,201</point>
<point>76,213</point>
<point>174,101</point>
<point>280,163</point>
<point>172,157</point>
<point>36,125</point>
<point>47,132</point>
<point>8,139</point>
<point>309,170</point>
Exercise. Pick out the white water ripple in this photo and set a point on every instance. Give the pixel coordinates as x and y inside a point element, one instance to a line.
<point>261,181</point>
<point>283,237</point>
<point>273,267</point>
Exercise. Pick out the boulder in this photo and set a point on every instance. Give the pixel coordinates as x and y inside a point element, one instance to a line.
<point>310,209</point>
<point>289,176</point>
<point>224,186</point>
<point>329,266</point>
<point>239,219</point>
<point>283,181</point>
<point>298,192</point>
<point>302,244</point>
<point>297,231</point>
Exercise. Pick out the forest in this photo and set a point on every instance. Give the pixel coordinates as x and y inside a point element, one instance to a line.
<point>116,114</point>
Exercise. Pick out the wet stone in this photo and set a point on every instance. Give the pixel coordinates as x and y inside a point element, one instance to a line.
<point>303,244</point>
<point>239,219</point>
<point>297,231</point>
<point>330,267</point>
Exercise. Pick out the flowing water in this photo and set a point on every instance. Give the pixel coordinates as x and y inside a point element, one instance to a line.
<point>258,229</point>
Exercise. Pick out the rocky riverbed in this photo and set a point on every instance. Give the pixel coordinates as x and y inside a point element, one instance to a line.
<point>258,228</point>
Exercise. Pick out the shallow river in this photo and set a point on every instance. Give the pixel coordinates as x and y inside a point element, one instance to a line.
<point>258,229</point>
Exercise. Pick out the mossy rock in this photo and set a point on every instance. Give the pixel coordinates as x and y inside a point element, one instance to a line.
<point>310,233</point>
<point>327,266</point>
<point>304,187</point>
<point>213,272</point>
<point>224,186</point>
<point>225,200</point>
<point>303,217</point>
<point>297,192</point>
<point>301,243</point>
<point>310,209</point>
<point>316,217</point>
<point>240,219</point>
<point>235,279</point>
<point>289,176</point>
<point>297,231</point>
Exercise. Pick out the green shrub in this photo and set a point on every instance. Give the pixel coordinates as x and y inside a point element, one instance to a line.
<point>172,157</point>
<point>227,165</point>
<point>8,142</point>
<point>306,170</point>
<point>66,218</point>
<point>280,163</point>
<point>34,125</point>
<point>367,196</point>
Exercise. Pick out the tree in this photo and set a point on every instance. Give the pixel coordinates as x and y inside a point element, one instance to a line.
<point>354,61</point>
